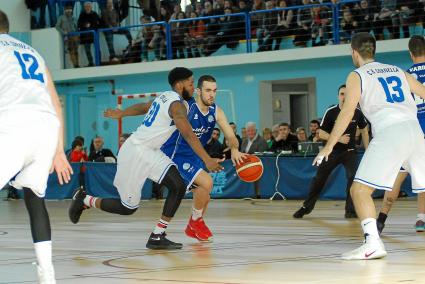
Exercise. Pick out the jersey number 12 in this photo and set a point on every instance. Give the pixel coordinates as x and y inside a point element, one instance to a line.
<point>29,66</point>
<point>397,96</point>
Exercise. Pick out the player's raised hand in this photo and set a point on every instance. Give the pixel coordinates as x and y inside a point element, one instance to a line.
<point>344,139</point>
<point>213,165</point>
<point>113,113</point>
<point>62,168</point>
<point>323,155</point>
<point>237,157</point>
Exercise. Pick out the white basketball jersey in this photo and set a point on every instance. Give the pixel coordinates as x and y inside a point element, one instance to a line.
<point>23,80</point>
<point>386,98</point>
<point>157,125</point>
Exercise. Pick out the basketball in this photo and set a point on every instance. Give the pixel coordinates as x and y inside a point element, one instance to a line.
<point>251,169</point>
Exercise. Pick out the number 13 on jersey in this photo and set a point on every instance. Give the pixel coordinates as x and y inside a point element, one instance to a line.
<point>395,83</point>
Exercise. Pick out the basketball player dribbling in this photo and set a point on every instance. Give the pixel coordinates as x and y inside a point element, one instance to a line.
<point>203,114</point>
<point>417,53</point>
<point>140,158</point>
<point>384,94</point>
<point>31,133</point>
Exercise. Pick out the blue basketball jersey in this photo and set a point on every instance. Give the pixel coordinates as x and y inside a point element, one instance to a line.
<point>418,71</point>
<point>202,125</point>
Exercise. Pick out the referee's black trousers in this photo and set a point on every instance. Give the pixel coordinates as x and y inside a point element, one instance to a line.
<point>348,160</point>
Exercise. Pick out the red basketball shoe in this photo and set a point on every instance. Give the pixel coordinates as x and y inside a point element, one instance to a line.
<point>198,229</point>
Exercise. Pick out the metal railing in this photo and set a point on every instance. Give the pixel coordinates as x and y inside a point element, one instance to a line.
<point>324,24</point>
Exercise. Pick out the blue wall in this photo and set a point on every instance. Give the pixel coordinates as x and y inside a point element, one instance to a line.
<point>328,72</point>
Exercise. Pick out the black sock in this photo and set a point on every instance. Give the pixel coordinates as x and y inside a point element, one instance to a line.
<point>382,217</point>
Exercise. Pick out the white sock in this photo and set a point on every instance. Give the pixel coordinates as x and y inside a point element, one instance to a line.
<point>369,228</point>
<point>160,227</point>
<point>196,214</point>
<point>90,201</point>
<point>421,216</point>
<point>43,252</point>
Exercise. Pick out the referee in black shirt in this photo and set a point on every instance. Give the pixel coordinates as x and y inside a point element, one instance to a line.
<point>343,153</point>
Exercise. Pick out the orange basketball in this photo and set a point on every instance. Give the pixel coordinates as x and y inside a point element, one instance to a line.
<point>251,169</point>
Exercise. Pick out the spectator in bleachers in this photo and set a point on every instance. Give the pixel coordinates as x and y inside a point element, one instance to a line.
<point>213,147</point>
<point>99,154</point>
<point>235,130</point>
<point>406,16</point>
<point>243,7</point>
<point>243,133</point>
<point>123,138</point>
<point>364,17</point>
<point>195,36</point>
<point>269,24</point>
<point>228,34</point>
<point>253,142</point>
<point>304,22</point>
<point>283,27</point>
<point>314,127</point>
<point>110,19</point>
<point>147,37</point>
<point>210,24</point>
<point>199,8</point>
<point>267,135</point>
<point>188,11</point>
<point>78,154</point>
<point>386,18</point>
<point>88,20</point>
<point>257,18</point>
<point>320,16</point>
<point>67,24</point>
<point>152,7</point>
<point>301,134</point>
<point>285,141</point>
<point>178,32</point>
<point>349,26</point>
<point>35,11</point>
<point>164,15</point>
<point>275,133</point>
<point>176,11</point>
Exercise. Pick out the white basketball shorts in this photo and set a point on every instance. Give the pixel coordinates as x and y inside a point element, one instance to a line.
<point>136,163</point>
<point>401,145</point>
<point>28,141</point>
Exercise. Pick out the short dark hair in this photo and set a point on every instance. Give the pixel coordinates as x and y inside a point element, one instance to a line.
<point>4,22</point>
<point>81,138</point>
<point>76,143</point>
<point>204,78</point>
<point>342,86</point>
<point>365,44</point>
<point>417,45</point>
<point>218,129</point>
<point>232,123</point>
<point>315,121</point>
<point>284,124</point>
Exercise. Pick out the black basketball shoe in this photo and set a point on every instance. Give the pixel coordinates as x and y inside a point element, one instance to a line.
<point>160,242</point>
<point>301,212</point>
<point>77,205</point>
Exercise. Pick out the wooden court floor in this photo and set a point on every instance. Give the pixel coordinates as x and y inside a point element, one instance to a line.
<point>255,242</point>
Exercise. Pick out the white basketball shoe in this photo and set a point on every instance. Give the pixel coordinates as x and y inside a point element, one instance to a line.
<point>46,275</point>
<point>371,249</point>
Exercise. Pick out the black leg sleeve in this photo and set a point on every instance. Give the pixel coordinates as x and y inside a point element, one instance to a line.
<point>176,191</point>
<point>115,206</point>
<point>39,218</point>
<point>318,182</point>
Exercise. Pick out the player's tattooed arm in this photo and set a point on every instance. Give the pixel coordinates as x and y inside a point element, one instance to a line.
<point>178,113</point>
<point>136,109</point>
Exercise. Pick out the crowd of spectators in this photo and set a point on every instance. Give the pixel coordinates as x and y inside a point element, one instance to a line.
<point>312,25</point>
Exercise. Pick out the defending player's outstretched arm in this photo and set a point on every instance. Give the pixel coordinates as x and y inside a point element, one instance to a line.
<point>136,109</point>
<point>415,86</point>
<point>60,163</point>
<point>179,114</point>
<point>237,157</point>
